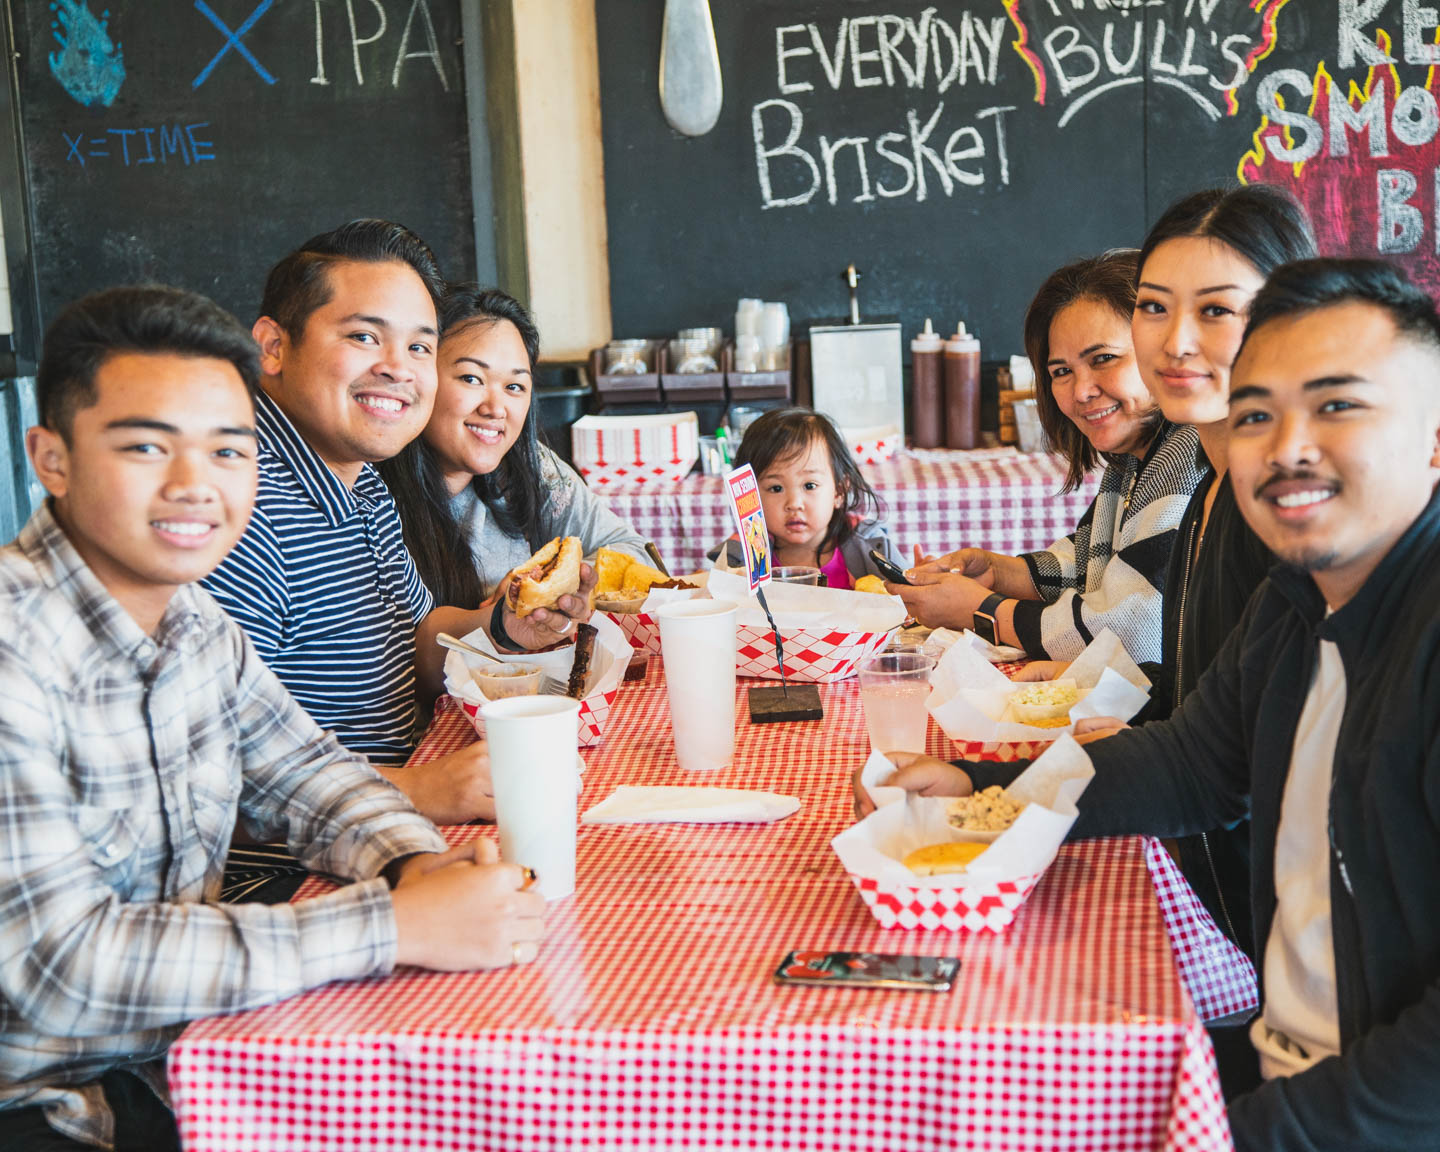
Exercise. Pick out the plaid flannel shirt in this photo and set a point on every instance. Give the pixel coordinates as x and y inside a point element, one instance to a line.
<point>124,761</point>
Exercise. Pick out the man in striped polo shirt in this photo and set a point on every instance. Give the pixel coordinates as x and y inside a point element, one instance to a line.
<point>321,580</point>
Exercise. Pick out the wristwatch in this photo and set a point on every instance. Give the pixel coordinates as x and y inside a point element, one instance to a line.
<point>984,623</point>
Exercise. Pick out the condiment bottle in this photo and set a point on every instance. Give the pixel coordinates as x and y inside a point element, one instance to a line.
<point>927,395</point>
<point>962,389</point>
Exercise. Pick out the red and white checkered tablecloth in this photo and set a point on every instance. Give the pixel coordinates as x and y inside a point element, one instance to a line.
<point>650,1020</point>
<point>998,499</point>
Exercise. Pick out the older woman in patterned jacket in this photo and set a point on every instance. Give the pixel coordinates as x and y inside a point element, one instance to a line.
<point>1110,572</point>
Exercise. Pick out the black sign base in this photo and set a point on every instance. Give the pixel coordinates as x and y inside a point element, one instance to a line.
<point>773,705</point>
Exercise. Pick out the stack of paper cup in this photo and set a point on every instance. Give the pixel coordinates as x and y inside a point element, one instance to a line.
<point>697,641</point>
<point>534,767</point>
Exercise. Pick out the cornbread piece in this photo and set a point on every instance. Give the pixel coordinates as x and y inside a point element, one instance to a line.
<point>939,859</point>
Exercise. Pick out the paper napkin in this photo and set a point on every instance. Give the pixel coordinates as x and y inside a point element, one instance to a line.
<point>630,804</point>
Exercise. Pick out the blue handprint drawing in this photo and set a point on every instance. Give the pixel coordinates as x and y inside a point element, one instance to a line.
<point>88,65</point>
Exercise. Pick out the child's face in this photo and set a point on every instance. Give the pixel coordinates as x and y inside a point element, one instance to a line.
<point>800,496</point>
<point>158,479</point>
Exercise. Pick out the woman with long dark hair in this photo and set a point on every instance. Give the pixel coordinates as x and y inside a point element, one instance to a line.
<point>478,492</point>
<point>1094,406</point>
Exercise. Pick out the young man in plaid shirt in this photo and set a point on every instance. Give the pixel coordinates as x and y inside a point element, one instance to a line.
<point>137,723</point>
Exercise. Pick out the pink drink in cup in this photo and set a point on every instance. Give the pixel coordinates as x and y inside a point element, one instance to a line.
<point>894,687</point>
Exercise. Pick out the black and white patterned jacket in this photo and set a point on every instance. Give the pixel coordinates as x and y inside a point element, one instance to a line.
<point>1110,573</point>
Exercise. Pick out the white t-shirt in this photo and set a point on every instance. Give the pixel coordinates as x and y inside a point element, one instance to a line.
<point>1300,1025</point>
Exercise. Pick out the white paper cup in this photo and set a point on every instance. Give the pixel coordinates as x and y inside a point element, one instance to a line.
<point>534,765</point>
<point>697,640</point>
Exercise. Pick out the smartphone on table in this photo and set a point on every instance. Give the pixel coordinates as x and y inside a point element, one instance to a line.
<point>814,969</point>
<point>888,568</point>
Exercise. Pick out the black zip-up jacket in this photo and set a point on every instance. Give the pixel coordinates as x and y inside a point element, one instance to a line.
<point>1205,596</point>
<point>1229,748</point>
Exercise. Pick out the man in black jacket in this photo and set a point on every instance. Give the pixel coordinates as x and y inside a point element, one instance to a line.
<point>1320,714</point>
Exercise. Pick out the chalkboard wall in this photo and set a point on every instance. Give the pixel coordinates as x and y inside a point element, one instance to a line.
<point>197,141</point>
<point>959,152</point>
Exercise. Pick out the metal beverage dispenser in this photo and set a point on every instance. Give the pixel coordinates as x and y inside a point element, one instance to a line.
<point>855,370</point>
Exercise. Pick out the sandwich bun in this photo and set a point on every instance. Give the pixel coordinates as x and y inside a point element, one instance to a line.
<point>551,573</point>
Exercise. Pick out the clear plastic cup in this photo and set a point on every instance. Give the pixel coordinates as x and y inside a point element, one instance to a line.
<point>627,357</point>
<point>712,459</point>
<point>894,687</point>
<point>796,574</point>
<point>1028,429</point>
<point>742,416</point>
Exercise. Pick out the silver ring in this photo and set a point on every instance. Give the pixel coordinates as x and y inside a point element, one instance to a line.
<point>515,953</point>
<point>564,628</point>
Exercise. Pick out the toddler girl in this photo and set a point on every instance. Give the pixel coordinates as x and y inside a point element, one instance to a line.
<point>814,498</point>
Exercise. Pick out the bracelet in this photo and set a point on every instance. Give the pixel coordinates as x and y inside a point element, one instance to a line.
<point>498,636</point>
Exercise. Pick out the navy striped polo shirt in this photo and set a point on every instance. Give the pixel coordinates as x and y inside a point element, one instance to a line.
<point>322,582</point>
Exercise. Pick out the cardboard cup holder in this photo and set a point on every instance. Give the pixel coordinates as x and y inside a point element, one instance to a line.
<point>747,386</point>
<point>638,389</point>
<point>725,386</point>
<point>694,387</point>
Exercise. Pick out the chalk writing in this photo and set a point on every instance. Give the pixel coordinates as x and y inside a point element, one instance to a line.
<point>232,40</point>
<point>882,54</point>
<point>88,65</point>
<point>875,51</point>
<point>1070,53</point>
<point>134,147</point>
<point>1206,50</point>
<point>432,53</point>
<point>418,14</point>
<point>1363,156</point>
<point>909,152</point>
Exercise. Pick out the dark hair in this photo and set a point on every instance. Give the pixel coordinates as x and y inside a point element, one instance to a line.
<point>1107,279</point>
<point>1261,223</point>
<point>788,432</point>
<point>514,494</point>
<point>145,318</point>
<point>300,283</point>
<point>1309,284</point>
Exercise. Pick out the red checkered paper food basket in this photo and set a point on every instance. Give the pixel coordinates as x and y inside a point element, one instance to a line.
<point>813,656</point>
<point>625,451</point>
<point>974,908</point>
<point>640,628</point>
<point>594,713</point>
<point>874,445</point>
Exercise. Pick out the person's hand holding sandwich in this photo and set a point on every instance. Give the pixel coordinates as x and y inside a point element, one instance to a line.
<point>536,606</point>
<point>543,599</point>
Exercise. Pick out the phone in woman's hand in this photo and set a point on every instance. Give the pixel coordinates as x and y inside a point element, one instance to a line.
<point>888,568</point>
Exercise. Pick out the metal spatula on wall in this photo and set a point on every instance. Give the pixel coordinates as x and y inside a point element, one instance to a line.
<point>690,89</point>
